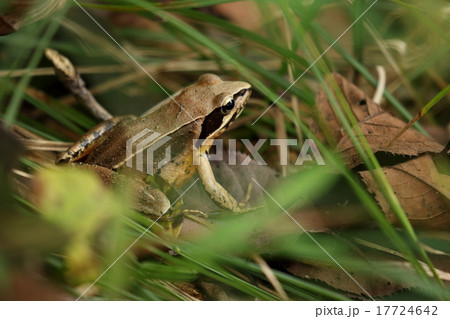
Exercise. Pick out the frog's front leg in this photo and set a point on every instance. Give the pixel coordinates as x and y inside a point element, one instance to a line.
<point>217,192</point>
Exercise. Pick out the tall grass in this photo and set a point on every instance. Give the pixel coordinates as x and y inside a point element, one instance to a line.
<point>290,39</point>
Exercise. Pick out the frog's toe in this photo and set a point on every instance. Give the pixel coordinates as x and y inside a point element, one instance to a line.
<point>244,207</point>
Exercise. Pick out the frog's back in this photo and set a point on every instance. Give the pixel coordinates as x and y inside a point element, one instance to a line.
<point>128,136</point>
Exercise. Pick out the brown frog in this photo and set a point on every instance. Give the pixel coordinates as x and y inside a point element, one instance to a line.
<point>201,111</point>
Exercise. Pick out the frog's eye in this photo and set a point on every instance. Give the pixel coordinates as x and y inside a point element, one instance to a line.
<point>227,107</point>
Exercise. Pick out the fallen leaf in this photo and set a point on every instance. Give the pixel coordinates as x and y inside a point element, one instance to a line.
<point>392,273</point>
<point>439,259</point>
<point>423,192</point>
<point>376,284</point>
<point>330,217</point>
<point>361,105</point>
<point>377,126</point>
<point>378,130</point>
<point>337,209</point>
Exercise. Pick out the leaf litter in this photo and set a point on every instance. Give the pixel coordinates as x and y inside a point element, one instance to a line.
<point>414,173</point>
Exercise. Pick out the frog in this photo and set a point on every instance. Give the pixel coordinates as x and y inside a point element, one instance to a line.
<point>187,122</point>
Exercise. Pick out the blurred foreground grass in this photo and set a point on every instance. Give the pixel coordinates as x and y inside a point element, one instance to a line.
<point>80,228</point>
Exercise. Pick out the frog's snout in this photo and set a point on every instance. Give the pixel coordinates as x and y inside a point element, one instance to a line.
<point>243,92</point>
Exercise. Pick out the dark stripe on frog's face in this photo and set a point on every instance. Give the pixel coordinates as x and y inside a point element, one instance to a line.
<point>219,120</point>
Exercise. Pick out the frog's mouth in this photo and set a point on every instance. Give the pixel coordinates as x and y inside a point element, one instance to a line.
<point>217,121</point>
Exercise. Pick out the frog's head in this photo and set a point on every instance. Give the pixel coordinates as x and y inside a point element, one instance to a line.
<point>227,100</point>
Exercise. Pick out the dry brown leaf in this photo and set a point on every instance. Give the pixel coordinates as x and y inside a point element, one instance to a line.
<point>378,130</point>
<point>440,260</point>
<point>361,105</point>
<point>423,192</point>
<point>330,217</point>
<point>377,126</point>
<point>375,284</point>
<point>393,272</point>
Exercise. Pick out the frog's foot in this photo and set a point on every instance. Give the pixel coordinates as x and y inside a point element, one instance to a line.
<point>194,212</point>
<point>248,193</point>
<point>243,205</point>
<point>245,208</point>
<point>149,200</point>
<point>217,192</point>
